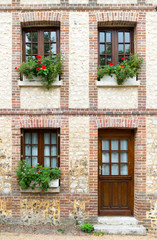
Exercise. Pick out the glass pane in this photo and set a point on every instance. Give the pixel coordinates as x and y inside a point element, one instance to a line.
<point>34,150</point>
<point>124,144</point>
<point>109,59</point>
<point>114,157</point>
<point>46,48</point>
<point>105,157</point>
<point>127,48</point>
<point>34,161</point>
<point>115,169</point>
<point>105,144</point>
<point>53,48</point>
<point>28,160</point>
<point>124,169</point>
<point>114,144</point>
<point>28,48</point>
<point>46,36</point>
<point>34,37</point>
<point>102,60</point>
<point>27,58</point>
<point>53,36</point>
<point>105,169</point>
<point>108,36</point>
<point>46,150</point>
<point>27,138</point>
<point>28,37</point>
<point>124,157</point>
<point>28,150</point>
<point>53,150</point>
<point>120,36</point>
<point>46,138</point>
<point>34,48</point>
<point>120,48</point>
<point>53,138</point>
<point>108,48</point>
<point>102,37</point>
<point>53,162</point>
<point>46,162</point>
<point>34,138</point>
<point>34,57</point>
<point>102,48</point>
<point>127,37</point>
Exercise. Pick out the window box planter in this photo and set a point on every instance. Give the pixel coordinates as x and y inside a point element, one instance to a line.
<point>54,188</point>
<point>36,82</point>
<point>108,81</point>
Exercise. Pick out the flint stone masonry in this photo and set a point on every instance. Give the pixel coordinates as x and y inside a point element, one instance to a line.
<point>5,210</point>
<point>40,2</point>
<point>151,73</point>
<point>5,155</point>
<point>120,97</point>
<point>78,154</point>
<point>78,60</point>
<point>6,60</point>
<point>152,215</point>
<point>79,210</point>
<point>39,97</point>
<point>117,2</point>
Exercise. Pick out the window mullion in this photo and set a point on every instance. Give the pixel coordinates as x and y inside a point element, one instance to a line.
<point>41,43</point>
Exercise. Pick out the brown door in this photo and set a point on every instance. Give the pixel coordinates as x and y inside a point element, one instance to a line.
<point>116,172</point>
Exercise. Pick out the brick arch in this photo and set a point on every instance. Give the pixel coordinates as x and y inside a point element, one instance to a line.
<point>117,123</point>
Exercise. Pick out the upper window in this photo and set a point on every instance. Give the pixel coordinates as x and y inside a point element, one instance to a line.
<point>40,41</point>
<point>41,147</point>
<point>114,44</point>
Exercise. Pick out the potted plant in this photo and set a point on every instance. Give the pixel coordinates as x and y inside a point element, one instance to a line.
<point>37,179</point>
<point>129,67</point>
<point>45,70</point>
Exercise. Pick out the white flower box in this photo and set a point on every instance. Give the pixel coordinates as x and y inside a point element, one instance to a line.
<point>108,81</point>
<point>36,82</point>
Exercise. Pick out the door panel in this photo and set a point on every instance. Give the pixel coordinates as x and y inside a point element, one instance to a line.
<point>116,172</point>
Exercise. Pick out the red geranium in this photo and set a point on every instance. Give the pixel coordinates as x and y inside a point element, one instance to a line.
<point>122,58</point>
<point>117,62</point>
<point>15,68</point>
<point>38,56</point>
<point>122,65</point>
<point>39,61</point>
<point>125,57</point>
<point>43,66</point>
<point>110,63</point>
<point>38,68</point>
<point>38,172</point>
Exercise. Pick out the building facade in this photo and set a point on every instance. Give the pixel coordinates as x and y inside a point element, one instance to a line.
<point>106,135</point>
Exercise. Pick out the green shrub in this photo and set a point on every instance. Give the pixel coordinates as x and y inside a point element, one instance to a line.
<point>87,227</point>
<point>62,230</point>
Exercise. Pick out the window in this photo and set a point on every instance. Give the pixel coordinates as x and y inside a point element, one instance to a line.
<point>114,44</point>
<point>40,41</point>
<point>41,146</point>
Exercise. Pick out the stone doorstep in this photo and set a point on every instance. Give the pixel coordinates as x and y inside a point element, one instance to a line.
<point>120,220</point>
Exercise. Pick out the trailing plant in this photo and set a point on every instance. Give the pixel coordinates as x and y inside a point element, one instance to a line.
<point>47,68</point>
<point>35,176</point>
<point>128,68</point>
<point>87,227</point>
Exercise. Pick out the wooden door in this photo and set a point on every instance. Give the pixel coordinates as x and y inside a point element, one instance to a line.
<point>116,172</point>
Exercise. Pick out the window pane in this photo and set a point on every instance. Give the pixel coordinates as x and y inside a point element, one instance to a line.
<point>53,138</point>
<point>127,37</point>
<point>105,157</point>
<point>35,48</point>
<point>34,37</point>
<point>53,48</point>
<point>28,160</point>
<point>102,37</point>
<point>124,144</point>
<point>53,150</point>
<point>102,48</point>
<point>124,157</point>
<point>34,161</point>
<point>108,48</point>
<point>105,144</point>
<point>46,150</point>
<point>114,144</point>
<point>105,169</point>
<point>34,138</point>
<point>127,48</point>
<point>28,49</point>
<point>120,36</point>
<point>46,48</point>
<point>124,169</point>
<point>115,169</point>
<point>46,36</point>
<point>109,59</point>
<point>102,60</point>
<point>46,138</point>
<point>53,162</point>
<point>108,36</point>
<point>120,49</point>
<point>114,157</point>
<point>53,36</point>
<point>28,37</point>
<point>46,162</point>
<point>28,138</point>
<point>34,150</point>
<point>28,150</point>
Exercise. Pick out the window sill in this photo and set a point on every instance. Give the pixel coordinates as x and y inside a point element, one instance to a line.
<point>54,188</point>
<point>35,82</point>
<point>108,81</point>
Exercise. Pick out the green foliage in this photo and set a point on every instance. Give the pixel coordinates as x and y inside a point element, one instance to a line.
<point>87,227</point>
<point>127,69</point>
<point>47,68</point>
<point>35,176</point>
<point>98,234</point>
<point>62,230</point>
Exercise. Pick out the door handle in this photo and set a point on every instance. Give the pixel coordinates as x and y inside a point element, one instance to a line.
<point>99,170</point>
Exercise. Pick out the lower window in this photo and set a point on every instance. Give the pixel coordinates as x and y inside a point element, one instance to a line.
<point>41,146</point>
